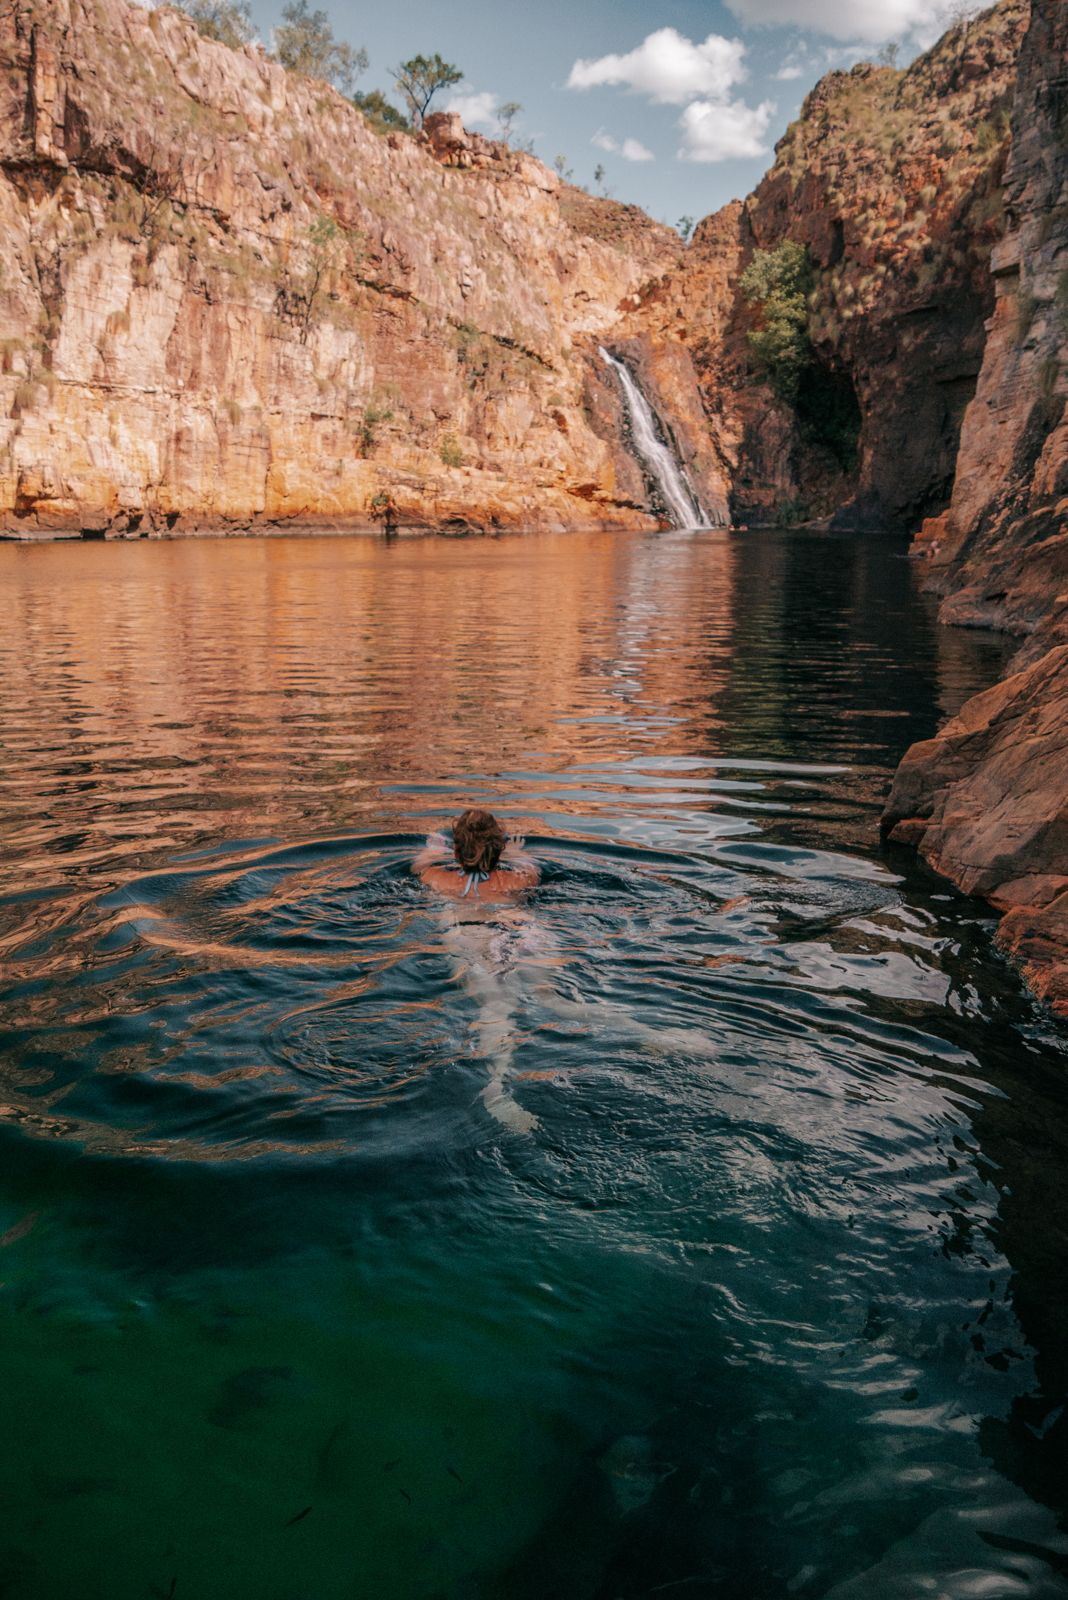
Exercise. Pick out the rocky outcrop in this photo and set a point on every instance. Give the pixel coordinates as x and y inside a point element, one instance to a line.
<point>234,305</point>
<point>986,805</point>
<point>986,802</point>
<point>893,182</point>
<point>1000,552</point>
<point>228,304</point>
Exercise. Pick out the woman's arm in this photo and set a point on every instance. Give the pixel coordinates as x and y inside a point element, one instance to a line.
<point>436,846</point>
<point>513,859</point>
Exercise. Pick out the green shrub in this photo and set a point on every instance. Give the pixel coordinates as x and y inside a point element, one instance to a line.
<point>383,117</point>
<point>780,281</point>
<point>224,21</point>
<point>232,409</point>
<point>373,418</point>
<point>25,395</point>
<point>451,454</point>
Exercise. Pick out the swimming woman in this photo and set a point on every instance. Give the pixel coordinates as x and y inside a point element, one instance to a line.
<point>503,952</point>
<point>484,872</point>
<point>473,864</point>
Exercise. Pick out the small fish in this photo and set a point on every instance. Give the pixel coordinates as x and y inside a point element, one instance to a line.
<point>299,1516</point>
<point>454,1474</point>
<point>389,1465</point>
<point>406,1496</point>
<point>20,1230</point>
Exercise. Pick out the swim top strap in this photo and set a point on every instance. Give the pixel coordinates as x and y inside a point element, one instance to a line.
<point>437,841</point>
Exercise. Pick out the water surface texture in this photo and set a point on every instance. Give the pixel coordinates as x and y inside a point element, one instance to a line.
<point>756,1286</point>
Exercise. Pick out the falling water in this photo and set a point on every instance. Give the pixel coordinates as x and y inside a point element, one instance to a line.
<point>678,496</point>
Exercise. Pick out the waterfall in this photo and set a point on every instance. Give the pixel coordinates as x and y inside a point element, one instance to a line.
<point>675,489</point>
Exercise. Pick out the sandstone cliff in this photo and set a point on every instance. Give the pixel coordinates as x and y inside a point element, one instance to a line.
<point>893,182</point>
<point>987,801</point>
<point>987,804</point>
<point>227,303</point>
<point>1000,552</point>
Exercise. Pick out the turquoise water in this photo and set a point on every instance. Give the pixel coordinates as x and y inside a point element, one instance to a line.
<point>768,1300</point>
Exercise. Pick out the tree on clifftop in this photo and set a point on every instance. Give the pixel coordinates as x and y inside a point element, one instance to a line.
<point>228,22</point>
<point>420,79</point>
<point>305,43</point>
<point>383,117</point>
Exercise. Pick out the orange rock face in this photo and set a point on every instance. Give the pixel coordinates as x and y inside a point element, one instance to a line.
<point>229,305</point>
<point>893,182</point>
<point>987,801</point>
<point>1002,556</point>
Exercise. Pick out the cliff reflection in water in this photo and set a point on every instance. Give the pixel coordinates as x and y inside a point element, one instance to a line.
<point>162,696</point>
<point>748,1311</point>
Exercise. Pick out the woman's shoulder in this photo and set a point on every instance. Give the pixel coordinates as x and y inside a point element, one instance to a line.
<point>516,871</point>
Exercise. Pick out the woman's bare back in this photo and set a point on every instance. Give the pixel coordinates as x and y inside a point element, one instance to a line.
<point>500,888</point>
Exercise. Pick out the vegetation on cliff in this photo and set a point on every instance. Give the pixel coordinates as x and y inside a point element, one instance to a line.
<point>891,181</point>
<point>305,43</point>
<point>228,303</point>
<point>779,281</point>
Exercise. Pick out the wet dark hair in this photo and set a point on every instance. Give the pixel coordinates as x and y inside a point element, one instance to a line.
<point>478,840</point>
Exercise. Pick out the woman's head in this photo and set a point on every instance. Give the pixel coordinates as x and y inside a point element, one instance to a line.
<point>478,840</point>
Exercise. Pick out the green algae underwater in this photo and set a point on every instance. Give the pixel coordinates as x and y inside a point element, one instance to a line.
<point>769,1300</point>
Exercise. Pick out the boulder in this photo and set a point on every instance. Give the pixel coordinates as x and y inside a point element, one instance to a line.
<point>986,804</point>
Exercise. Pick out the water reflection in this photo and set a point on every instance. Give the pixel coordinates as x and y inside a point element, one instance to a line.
<point>165,696</point>
<point>751,1305</point>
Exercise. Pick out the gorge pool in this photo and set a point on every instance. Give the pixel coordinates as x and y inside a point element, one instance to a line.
<point>770,1300</point>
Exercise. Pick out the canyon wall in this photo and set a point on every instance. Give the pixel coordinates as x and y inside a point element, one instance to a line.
<point>227,304</point>
<point>986,803</point>
<point>1000,552</point>
<point>892,180</point>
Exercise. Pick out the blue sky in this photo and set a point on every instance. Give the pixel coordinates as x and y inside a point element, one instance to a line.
<point>680,101</point>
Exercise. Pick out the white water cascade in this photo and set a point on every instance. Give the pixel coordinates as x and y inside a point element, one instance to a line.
<point>678,496</point>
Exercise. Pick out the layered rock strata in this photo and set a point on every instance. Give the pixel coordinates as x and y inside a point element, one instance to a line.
<point>986,802</point>
<point>1000,551</point>
<point>227,304</point>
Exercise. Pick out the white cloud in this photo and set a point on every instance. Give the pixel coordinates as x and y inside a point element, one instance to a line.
<point>630,149</point>
<point>786,73</point>
<point>870,20</point>
<point>669,68</point>
<point>724,132</point>
<point>474,108</point>
<point>633,151</point>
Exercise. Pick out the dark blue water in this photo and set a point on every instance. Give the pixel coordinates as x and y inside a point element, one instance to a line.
<point>752,1286</point>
